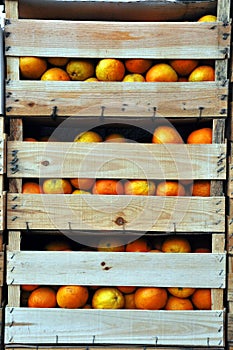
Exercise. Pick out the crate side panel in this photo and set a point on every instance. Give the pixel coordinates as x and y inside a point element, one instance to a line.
<point>140,213</point>
<point>25,325</point>
<point>39,98</point>
<point>105,160</point>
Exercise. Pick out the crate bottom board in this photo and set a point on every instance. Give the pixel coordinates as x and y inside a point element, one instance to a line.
<point>82,326</point>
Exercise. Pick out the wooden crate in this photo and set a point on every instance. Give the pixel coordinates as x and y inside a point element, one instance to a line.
<point>157,40</point>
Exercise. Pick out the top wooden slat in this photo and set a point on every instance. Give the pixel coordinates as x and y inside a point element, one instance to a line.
<point>112,39</point>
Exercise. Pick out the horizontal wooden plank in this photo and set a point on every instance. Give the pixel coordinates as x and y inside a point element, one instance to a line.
<point>98,39</point>
<point>115,268</point>
<point>99,212</point>
<point>56,326</point>
<point>110,160</point>
<point>109,347</point>
<point>108,99</point>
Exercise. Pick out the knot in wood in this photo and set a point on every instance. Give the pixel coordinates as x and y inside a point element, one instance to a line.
<point>120,221</point>
<point>45,162</point>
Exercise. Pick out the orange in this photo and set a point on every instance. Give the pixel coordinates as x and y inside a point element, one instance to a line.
<point>88,136</point>
<point>108,186</point>
<point>150,298</point>
<point>202,73</point>
<point>138,65</point>
<point>202,250</point>
<point>161,72</point>
<point>115,138</point>
<point>110,245</point>
<point>32,67</point>
<point>82,183</point>
<point>170,188</point>
<point>29,139</point>
<point>201,188</point>
<point>127,289</point>
<point>58,61</point>
<point>110,69</point>
<point>91,79</point>
<point>72,297</point>
<point>80,69</point>
<point>57,245</point>
<point>108,298</point>
<point>201,299</point>
<point>55,74</point>
<point>42,297</point>
<point>29,287</point>
<point>81,192</point>
<point>31,187</point>
<point>181,292</point>
<point>183,67</point>
<point>133,77</point>
<point>138,245</point>
<point>130,301</point>
<point>55,186</point>
<point>166,134</point>
<point>175,303</point>
<point>208,18</point>
<point>176,244</point>
<point>140,187</point>
<point>200,136</point>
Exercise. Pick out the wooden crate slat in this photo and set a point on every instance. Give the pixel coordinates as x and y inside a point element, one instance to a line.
<point>101,268</point>
<point>28,325</point>
<point>97,212</point>
<point>105,160</point>
<point>98,347</point>
<point>112,39</point>
<point>38,98</point>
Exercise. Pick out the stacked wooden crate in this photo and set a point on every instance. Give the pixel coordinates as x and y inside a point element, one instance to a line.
<point>49,103</point>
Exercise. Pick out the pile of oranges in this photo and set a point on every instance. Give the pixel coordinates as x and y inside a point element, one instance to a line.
<point>120,297</point>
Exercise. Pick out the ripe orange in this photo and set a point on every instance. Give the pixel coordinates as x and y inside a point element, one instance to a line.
<point>58,61</point>
<point>82,183</point>
<point>29,139</point>
<point>201,299</point>
<point>32,67</point>
<point>202,250</point>
<point>201,188</point>
<point>208,18</point>
<point>31,187</point>
<point>72,297</point>
<point>161,72</point>
<point>88,136</point>
<point>175,303</point>
<point>80,69</point>
<point>202,73</point>
<point>29,287</point>
<point>132,77</point>
<point>91,79</point>
<point>42,297</point>
<point>55,74</point>
<point>170,188</point>
<point>110,244</point>
<point>55,186</point>
<point>115,138</point>
<point>138,65</point>
<point>183,67</point>
<point>166,134</point>
<point>181,292</point>
<point>130,301</point>
<point>200,136</point>
<point>174,244</point>
<point>150,298</point>
<point>108,298</point>
<point>57,245</point>
<point>127,289</point>
<point>80,192</point>
<point>108,186</point>
<point>139,245</point>
<point>110,69</point>
<point>140,187</point>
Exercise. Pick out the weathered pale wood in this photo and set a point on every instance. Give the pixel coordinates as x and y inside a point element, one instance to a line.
<point>217,296</point>
<point>109,347</point>
<point>14,239</point>
<point>111,160</point>
<point>101,268</point>
<point>230,327</point>
<point>56,326</point>
<point>155,40</point>
<point>107,99</point>
<point>99,212</point>
<point>11,8</point>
